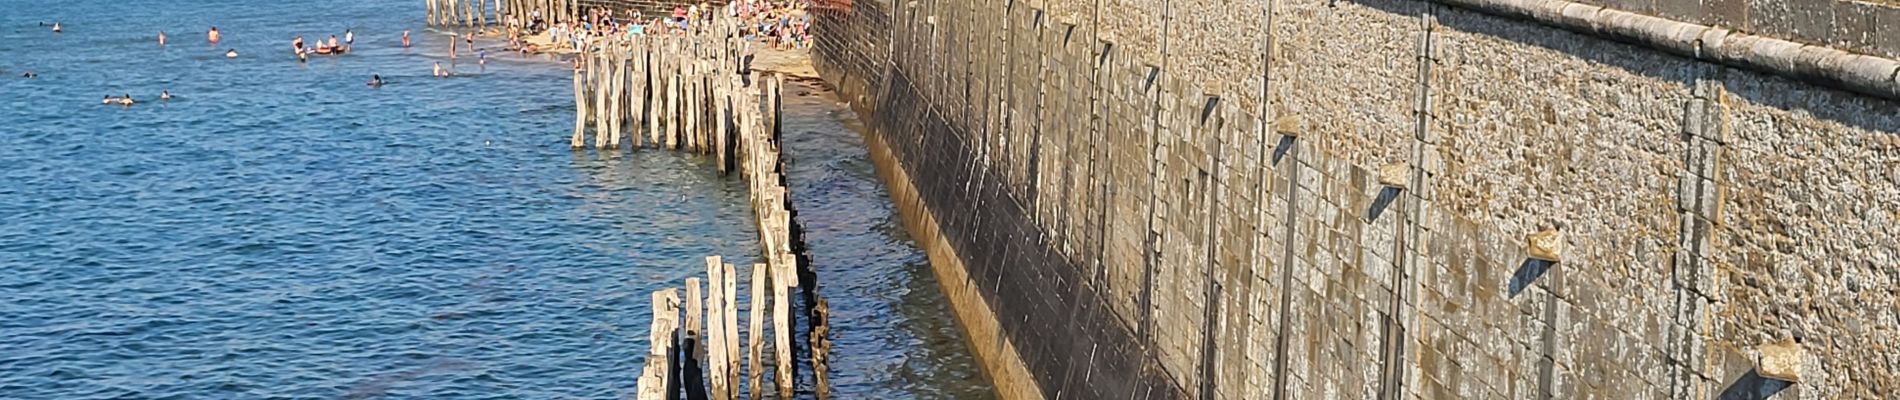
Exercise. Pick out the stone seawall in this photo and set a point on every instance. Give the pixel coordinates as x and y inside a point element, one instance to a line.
<point>1334,199</point>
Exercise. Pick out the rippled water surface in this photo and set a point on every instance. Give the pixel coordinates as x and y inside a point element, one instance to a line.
<point>281,230</point>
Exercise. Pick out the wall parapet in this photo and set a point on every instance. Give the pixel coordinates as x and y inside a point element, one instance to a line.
<point>1860,73</point>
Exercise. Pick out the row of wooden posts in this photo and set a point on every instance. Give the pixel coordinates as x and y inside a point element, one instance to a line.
<point>706,343</point>
<point>690,93</point>
<point>683,92</point>
<point>476,13</point>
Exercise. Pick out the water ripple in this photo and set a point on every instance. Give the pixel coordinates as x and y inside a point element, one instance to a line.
<point>280,230</point>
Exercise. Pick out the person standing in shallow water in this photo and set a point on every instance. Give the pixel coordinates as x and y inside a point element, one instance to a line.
<point>405,38</point>
<point>161,38</point>
<point>213,35</point>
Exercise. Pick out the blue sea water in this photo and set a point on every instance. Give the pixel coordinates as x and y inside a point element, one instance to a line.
<point>281,230</point>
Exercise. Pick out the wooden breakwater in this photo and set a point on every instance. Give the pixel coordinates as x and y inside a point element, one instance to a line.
<point>477,13</point>
<point>689,91</point>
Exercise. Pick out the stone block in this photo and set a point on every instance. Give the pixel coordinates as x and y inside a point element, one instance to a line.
<point>1886,34</point>
<point>1854,26</point>
<point>1635,6</point>
<point>1805,21</point>
<point>1725,13</point>
<point>1395,175</point>
<point>1780,360</point>
<point>1681,10</point>
<point>1547,245</point>
<point>1287,125</point>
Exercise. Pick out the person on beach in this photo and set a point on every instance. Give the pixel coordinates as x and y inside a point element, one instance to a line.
<point>213,36</point>
<point>405,38</point>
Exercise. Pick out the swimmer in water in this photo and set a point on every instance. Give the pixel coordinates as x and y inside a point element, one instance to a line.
<point>438,70</point>
<point>213,36</point>
<point>127,100</point>
<point>376,81</point>
<point>405,38</point>
<point>56,28</point>
<point>29,74</point>
<point>164,95</point>
<point>161,38</point>
<point>107,100</point>
<point>232,53</point>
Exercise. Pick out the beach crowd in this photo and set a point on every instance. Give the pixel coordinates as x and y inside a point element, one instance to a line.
<point>781,25</point>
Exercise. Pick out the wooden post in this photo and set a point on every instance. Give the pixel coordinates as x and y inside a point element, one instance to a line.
<point>716,329</point>
<point>614,102</point>
<point>710,111</point>
<point>695,107</point>
<point>694,308</point>
<point>656,380</point>
<point>656,94</point>
<point>672,109</point>
<point>731,342</point>
<point>640,90</point>
<point>580,107</point>
<point>468,13</point>
<point>481,13</point>
<point>772,109</point>
<point>757,316</point>
<point>782,332</point>
<point>603,70</point>
<point>722,101</point>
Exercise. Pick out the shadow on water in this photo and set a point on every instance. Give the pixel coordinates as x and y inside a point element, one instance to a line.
<point>893,334</point>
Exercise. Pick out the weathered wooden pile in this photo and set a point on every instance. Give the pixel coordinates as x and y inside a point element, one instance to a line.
<point>687,92</point>
<point>681,91</point>
<point>476,13</point>
<point>706,345</point>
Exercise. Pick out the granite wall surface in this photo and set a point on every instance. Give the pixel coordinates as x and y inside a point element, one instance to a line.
<point>1275,199</point>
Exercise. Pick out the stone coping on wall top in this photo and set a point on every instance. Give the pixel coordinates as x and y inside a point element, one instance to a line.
<point>1860,73</point>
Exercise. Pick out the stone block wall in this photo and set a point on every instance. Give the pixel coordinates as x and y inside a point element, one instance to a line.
<point>1158,199</point>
